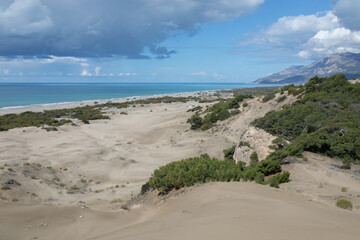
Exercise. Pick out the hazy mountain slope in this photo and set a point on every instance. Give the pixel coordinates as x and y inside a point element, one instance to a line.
<point>346,63</point>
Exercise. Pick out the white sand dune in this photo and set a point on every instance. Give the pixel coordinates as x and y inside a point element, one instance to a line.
<point>71,184</point>
<point>213,211</point>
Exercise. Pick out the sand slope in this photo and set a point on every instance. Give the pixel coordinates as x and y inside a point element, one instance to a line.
<point>107,161</point>
<point>213,211</point>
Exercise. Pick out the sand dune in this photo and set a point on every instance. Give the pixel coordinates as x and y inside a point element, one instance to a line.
<point>71,184</point>
<point>213,211</point>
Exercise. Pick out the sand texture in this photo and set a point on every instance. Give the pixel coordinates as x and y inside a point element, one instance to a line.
<point>71,184</point>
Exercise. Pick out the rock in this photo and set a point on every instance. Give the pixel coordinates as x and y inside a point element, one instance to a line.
<point>12,182</point>
<point>259,142</point>
<point>242,154</point>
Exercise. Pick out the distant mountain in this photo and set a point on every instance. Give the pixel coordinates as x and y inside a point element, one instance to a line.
<point>346,63</point>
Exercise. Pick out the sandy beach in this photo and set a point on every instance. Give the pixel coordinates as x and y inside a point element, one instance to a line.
<point>78,178</point>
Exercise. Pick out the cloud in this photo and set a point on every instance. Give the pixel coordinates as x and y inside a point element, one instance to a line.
<point>85,73</point>
<point>199,74</point>
<point>294,30</point>
<point>348,12</point>
<point>312,36</point>
<point>206,74</point>
<point>87,28</point>
<point>97,70</point>
<point>337,40</point>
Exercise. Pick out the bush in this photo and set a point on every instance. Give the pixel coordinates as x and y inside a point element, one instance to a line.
<point>274,181</point>
<point>345,204</point>
<point>254,159</point>
<point>243,143</point>
<point>5,187</point>
<point>217,112</point>
<point>245,105</point>
<point>268,97</point>
<point>201,169</point>
<point>195,122</point>
<point>229,153</point>
<point>281,99</point>
<point>268,167</point>
<point>235,112</point>
<point>324,120</point>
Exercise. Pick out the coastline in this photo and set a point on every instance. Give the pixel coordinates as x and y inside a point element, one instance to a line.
<point>65,105</point>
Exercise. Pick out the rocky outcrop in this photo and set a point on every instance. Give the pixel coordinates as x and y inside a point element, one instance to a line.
<point>253,140</point>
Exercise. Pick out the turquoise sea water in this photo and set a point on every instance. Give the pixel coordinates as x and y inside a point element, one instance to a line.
<point>34,94</point>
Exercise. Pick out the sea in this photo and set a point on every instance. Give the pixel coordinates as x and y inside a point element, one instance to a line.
<point>18,95</point>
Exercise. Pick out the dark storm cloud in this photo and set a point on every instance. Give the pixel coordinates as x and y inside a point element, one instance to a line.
<point>106,28</point>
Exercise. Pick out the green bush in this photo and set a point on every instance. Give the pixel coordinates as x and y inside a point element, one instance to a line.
<point>268,97</point>
<point>217,112</point>
<point>345,204</point>
<point>254,159</point>
<point>274,181</point>
<point>281,99</point>
<point>324,120</point>
<point>268,167</point>
<point>202,169</point>
<point>243,143</point>
<point>5,187</point>
<point>229,153</point>
<point>195,121</point>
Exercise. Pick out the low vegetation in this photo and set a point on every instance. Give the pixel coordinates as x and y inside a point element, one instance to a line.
<point>324,120</point>
<point>345,204</point>
<point>202,169</point>
<point>229,153</point>
<point>220,111</point>
<point>54,118</point>
<point>268,97</point>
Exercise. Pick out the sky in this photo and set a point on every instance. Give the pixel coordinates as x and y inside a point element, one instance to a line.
<point>204,41</point>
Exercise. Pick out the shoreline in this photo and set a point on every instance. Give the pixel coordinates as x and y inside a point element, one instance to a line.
<point>70,104</point>
<point>65,105</point>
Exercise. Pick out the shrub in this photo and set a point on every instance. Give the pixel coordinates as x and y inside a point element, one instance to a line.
<point>229,153</point>
<point>268,167</point>
<point>268,97</point>
<point>195,122</point>
<point>203,169</point>
<point>324,120</point>
<point>245,105</point>
<point>5,187</point>
<point>254,159</point>
<point>281,99</point>
<point>345,204</point>
<point>243,143</point>
<point>235,112</point>
<point>274,181</point>
<point>217,112</point>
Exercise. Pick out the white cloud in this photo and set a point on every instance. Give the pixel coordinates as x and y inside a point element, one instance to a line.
<point>310,36</point>
<point>205,74</point>
<point>97,70</point>
<point>199,74</point>
<point>337,40</point>
<point>295,30</point>
<point>127,74</point>
<point>85,73</point>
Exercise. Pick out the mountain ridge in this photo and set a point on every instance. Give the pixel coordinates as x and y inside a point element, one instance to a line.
<point>346,63</point>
